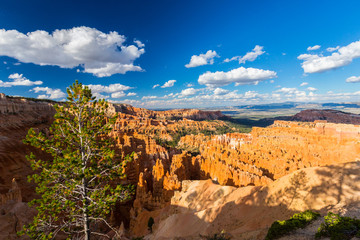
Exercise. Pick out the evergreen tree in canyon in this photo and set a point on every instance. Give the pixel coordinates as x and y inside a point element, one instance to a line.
<point>79,185</point>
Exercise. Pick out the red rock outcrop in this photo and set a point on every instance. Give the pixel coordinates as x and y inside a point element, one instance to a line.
<point>16,117</point>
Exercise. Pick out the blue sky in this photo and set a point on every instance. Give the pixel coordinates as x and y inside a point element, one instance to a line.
<point>174,54</point>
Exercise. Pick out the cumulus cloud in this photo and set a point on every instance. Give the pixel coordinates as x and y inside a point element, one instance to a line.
<point>202,59</point>
<point>353,79</point>
<point>286,90</point>
<point>291,92</point>
<point>49,93</point>
<point>168,84</point>
<point>188,92</point>
<point>139,43</point>
<point>155,86</point>
<point>332,49</point>
<point>220,91</point>
<point>19,80</point>
<point>251,94</point>
<point>116,90</point>
<point>314,63</point>
<point>108,89</point>
<point>102,54</point>
<point>118,94</point>
<point>311,89</point>
<point>148,97</point>
<point>312,48</point>
<point>250,56</point>
<point>189,85</point>
<point>131,94</point>
<point>303,84</point>
<point>239,76</point>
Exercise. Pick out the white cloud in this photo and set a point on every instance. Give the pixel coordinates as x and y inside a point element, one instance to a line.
<point>98,53</point>
<point>332,49</point>
<point>286,90</point>
<point>239,76</point>
<point>100,96</point>
<point>188,92</point>
<point>251,94</point>
<point>312,48</point>
<point>49,93</point>
<point>118,94</point>
<point>131,94</point>
<point>313,63</point>
<point>148,97</point>
<point>155,86</point>
<point>220,91</point>
<point>169,83</point>
<point>250,56</point>
<point>303,84</point>
<point>116,90</point>
<point>19,80</point>
<point>112,88</point>
<point>311,89</point>
<point>353,79</point>
<point>139,43</point>
<point>189,85</point>
<point>202,59</point>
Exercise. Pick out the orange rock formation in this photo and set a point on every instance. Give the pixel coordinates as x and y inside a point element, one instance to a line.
<point>269,153</point>
<point>14,194</point>
<point>193,114</point>
<point>234,159</point>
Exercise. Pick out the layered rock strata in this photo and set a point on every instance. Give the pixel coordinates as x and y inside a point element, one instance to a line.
<point>193,114</point>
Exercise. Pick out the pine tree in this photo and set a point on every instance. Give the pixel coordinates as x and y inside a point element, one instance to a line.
<point>78,186</point>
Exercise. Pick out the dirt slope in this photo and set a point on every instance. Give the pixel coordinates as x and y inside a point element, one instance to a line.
<point>203,207</point>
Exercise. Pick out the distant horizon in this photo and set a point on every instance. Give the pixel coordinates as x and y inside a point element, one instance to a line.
<point>182,54</point>
<point>205,108</point>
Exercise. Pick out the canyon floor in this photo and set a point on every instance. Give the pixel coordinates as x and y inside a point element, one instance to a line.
<point>196,173</point>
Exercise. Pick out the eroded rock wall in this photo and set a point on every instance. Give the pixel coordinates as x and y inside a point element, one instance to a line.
<point>267,154</point>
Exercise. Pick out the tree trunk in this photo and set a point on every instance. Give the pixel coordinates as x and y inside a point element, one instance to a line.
<point>86,227</point>
<point>86,216</point>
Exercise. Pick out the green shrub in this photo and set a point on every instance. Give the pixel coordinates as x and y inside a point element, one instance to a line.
<point>338,228</point>
<point>299,220</point>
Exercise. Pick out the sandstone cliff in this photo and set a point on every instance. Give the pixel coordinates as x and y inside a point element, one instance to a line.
<point>16,117</point>
<point>266,154</point>
<point>205,208</point>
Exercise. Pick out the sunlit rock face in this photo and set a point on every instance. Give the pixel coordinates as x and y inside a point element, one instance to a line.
<point>255,159</point>
<point>267,154</point>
